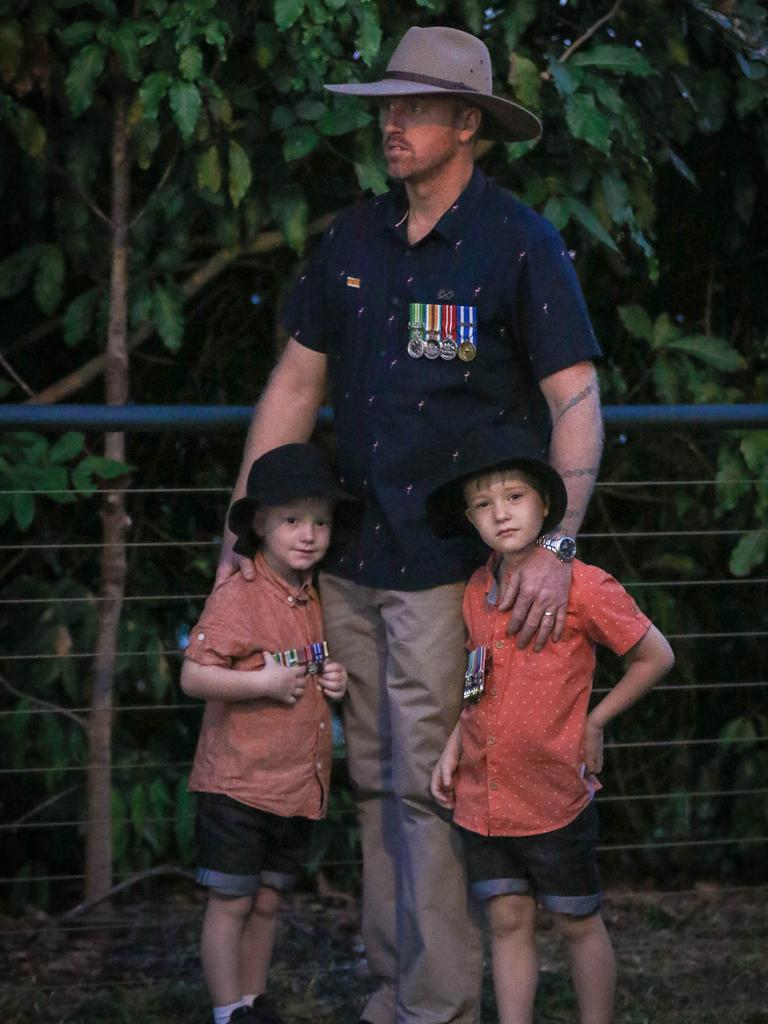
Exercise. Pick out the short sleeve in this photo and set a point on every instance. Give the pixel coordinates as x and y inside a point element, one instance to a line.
<point>306,312</point>
<point>550,313</point>
<point>223,636</point>
<point>612,617</point>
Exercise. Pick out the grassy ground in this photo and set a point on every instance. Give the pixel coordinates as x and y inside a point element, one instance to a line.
<point>698,958</point>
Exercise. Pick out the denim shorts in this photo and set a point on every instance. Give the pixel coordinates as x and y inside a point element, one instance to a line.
<point>241,848</point>
<point>557,868</point>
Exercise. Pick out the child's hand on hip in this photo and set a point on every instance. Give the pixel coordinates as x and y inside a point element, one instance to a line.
<point>333,680</point>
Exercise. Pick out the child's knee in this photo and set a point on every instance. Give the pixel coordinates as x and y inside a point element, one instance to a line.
<point>267,901</point>
<point>574,928</point>
<point>511,915</point>
<point>226,905</point>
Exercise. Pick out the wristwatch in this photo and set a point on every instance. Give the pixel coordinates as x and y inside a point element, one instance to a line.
<point>562,546</point>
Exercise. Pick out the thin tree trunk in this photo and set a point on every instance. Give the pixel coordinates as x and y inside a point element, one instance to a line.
<point>98,861</point>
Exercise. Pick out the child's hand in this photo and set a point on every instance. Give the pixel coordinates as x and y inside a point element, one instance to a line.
<point>333,680</point>
<point>285,685</point>
<point>441,783</point>
<point>593,748</point>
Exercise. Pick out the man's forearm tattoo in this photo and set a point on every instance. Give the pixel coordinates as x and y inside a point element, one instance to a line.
<point>577,399</point>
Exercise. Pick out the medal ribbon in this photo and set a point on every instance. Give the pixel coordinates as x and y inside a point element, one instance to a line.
<point>434,316</point>
<point>449,322</point>
<point>467,321</point>
<point>313,655</point>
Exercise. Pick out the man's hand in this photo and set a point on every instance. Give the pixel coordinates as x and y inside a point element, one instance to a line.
<point>333,680</point>
<point>230,562</point>
<point>537,594</point>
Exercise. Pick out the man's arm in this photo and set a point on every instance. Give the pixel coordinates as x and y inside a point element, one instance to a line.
<point>285,414</point>
<point>542,583</point>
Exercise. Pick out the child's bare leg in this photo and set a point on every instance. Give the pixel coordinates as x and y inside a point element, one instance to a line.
<point>258,940</point>
<point>593,967</point>
<point>220,944</point>
<point>512,922</point>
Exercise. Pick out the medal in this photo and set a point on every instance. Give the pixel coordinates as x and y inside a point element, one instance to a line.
<point>474,677</point>
<point>416,327</point>
<point>467,334</point>
<point>448,346</point>
<point>313,656</point>
<point>416,345</point>
<point>432,338</point>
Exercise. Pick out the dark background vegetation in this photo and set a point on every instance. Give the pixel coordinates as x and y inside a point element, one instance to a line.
<point>653,164</point>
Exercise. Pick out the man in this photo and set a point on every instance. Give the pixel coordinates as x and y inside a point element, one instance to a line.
<point>441,307</point>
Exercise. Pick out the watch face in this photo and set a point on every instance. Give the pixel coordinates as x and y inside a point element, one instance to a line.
<point>566,549</point>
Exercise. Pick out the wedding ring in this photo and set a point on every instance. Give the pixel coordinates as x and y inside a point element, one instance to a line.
<point>549,613</point>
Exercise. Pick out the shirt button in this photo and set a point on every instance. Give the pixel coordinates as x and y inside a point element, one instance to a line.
<point>395,301</point>
<point>499,644</point>
<point>201,636</point>
<point>493,786</point>
<point>494,692</point>
<point>319,764</point>
<point>491,740</point>
<point>322,725</point>
<point>291,599</point>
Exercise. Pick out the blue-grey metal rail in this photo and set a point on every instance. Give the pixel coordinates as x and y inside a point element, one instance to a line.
<point>203,418</point>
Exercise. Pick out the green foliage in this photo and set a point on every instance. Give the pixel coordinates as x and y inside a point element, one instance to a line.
<point>652,163</point>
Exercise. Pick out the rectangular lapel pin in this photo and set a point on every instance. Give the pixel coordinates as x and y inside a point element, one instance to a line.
<point>353,282</point>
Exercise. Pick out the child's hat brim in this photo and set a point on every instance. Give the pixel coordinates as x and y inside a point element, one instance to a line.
<point>483,451</point>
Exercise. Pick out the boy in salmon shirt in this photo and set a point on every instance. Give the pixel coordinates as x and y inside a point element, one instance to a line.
<point>517,771</point>
<point>263,760</point>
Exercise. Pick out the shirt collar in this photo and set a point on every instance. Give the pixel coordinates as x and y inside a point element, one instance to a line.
<point>491,586</point>
<point>301,594</point>
<point>453,222</point>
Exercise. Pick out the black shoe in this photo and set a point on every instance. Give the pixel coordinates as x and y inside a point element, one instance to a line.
<point>260,1012</point>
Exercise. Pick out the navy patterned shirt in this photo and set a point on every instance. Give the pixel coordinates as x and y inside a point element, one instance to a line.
<point>398,418</point>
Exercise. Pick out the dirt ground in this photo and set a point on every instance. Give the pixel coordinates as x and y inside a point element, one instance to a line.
<point>693,958</point>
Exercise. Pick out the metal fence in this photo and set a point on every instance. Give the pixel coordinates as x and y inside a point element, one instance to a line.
<point>686,780</point>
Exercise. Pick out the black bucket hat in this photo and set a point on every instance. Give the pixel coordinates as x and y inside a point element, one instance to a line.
<point>483,451</point>
<point>283,474</point>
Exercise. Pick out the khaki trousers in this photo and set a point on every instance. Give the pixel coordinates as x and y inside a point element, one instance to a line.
<point>404,651</point>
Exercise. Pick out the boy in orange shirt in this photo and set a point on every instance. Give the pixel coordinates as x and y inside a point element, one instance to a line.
<point>517,771</point>
<point>263,760</point>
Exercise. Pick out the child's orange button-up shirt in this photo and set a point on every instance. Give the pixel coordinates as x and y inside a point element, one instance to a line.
<point>273,756</point>
<point>522,762</point>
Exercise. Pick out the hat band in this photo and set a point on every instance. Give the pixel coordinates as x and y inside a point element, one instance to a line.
<point>441,83</point>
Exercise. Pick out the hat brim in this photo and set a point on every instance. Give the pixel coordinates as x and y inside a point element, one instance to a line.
<point>507,122</point>
<point>241,512</point>
<point>446,506</point>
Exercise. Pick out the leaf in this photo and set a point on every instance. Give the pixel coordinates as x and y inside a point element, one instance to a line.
<point>732,480</point>
<point>368,40</point>
<point>566,79</point>
<point>125,43</point>
<point>78,317</point>
<point>67,446</point>
<point>107,469</point>
<point>185,106</point>
<point>525,80</point>
<point>190,62</point>
<point>167,316</point>
<point>343,116</point>
<point>30,133</point>
<point>749,552</point>
<point>240,173</point>
<point>287,13</point>
<point>220,109</point>
<point>588,220</point>
<point>152,91</point>
<point>15,270</point>
<point>11,48</point>
<point>681,167</point>
<point>138,803</point>
<point>292,215</point>
<point>713,351</point>
<point>754,448</point>
<point>300,139</point>
<point>586,122</point>
<point>23,510</point>
<point>49,279</point>
<point>664,332</point>
<point>209,170</point>
<point>371,175</point>
<point>622,59</point>
<point>558,211</point>
<point>83,75</point>
<point>184,821</point>
<point>617,198</point>
<point>666,380</point>
<point>77,33</point>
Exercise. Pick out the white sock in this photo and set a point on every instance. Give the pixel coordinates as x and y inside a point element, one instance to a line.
<point>221,1014</point>
<point>248,998</point>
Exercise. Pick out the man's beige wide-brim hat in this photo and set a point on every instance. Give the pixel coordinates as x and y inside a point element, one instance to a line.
<point>434,61</point>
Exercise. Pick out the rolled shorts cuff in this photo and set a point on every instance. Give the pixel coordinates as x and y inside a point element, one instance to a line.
<point>573,906</point>
<point>278,880</point>
<point>228,885</point>
<point>490,887</point>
